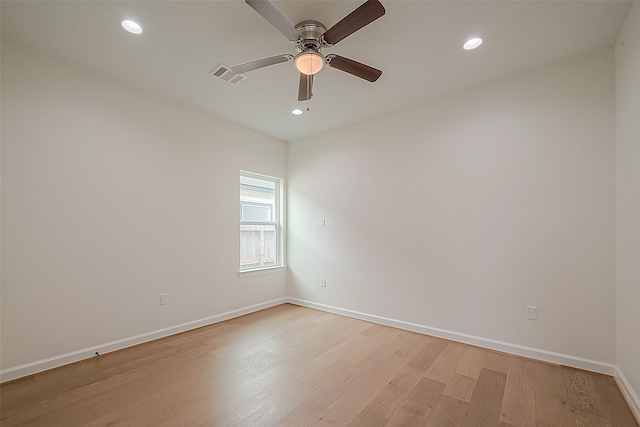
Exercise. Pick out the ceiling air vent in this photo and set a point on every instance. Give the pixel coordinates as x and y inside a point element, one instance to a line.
<point>225,73</point>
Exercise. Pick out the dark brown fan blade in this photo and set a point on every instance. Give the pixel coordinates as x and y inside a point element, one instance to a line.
<point>365,14</point>
<point>304,89</point>
<point>354,67</point>
<point>269,12</point>
<point>260,63</point>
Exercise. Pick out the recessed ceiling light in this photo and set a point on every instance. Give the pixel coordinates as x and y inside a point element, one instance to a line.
<point>132,26</point>
<point>472,43</point>
<point>296,112</point>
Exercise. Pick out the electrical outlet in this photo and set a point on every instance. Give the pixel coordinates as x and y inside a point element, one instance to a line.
<point>164,298</point>
<point>323,282</point>
<point>532,312</point>
<point>322,222</point>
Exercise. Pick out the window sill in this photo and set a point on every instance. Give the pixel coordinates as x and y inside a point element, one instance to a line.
<point>265,270</point>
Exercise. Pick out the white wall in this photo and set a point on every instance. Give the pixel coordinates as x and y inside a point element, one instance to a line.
<point>628,198</point>
<point>458,213</point>
<point>111,196</point>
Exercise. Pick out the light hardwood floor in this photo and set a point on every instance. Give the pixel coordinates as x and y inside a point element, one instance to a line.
<point>295,366</point>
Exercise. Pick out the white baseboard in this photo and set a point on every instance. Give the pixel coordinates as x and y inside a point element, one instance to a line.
<point>86,353</point>
<point>629,394</point>
<point>519,350</point>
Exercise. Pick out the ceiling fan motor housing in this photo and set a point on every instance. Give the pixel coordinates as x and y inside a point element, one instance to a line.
<point>310,32</point>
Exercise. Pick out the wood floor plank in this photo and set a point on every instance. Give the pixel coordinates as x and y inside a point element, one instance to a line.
<point>484,407</point>
<point>519,406</point>
<point>281,399</point>
<point>210,412</point>
<point>460,387</point>
<point>426,393</point>
<point>408,378</point>
<point>355,329</point>
<point>294,366</point>
<point>472,362</point>
<point>612,407</point>
<point>552,407</point>
<point>443,367</point>
<point>308,413</point>
<point>409,414</point>
<point>368,418</point>
<point>593,395</point>
<point>353,350</point>
<point>428,353</point>
<point>447,412</point>
<point>495,361</point>
<point>315,350</point>
<point>410,345</point>
<point>373,330</point>
<point>391,397</point>
<point>364,388</point>
<point>337,384</point>
<point>551,397</point>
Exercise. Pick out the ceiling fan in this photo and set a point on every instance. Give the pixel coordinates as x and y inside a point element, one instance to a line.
<point>310,37</point>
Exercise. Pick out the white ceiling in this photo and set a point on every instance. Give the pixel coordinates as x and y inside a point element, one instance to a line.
<point>417,44</point>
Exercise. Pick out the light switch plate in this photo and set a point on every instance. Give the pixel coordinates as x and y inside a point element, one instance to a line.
<point>532,312</point>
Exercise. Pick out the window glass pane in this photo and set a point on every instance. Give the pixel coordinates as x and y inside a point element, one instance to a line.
<point>257,199</point>
<point>256,212</point>
<point>258,246</point>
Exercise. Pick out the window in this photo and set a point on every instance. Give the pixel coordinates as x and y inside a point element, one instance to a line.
<point>260,222</point>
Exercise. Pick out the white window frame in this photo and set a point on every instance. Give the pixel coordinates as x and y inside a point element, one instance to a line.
<point>278,223</point>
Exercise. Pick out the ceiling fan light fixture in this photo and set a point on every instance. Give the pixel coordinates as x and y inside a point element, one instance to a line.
<point>309,62</point>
